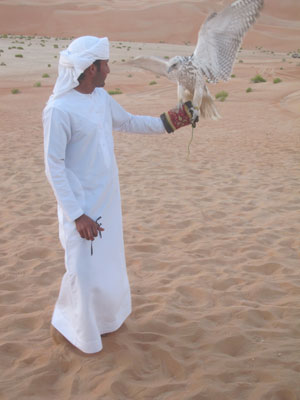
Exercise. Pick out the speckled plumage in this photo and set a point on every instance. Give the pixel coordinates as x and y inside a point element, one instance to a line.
<point>219,39</point>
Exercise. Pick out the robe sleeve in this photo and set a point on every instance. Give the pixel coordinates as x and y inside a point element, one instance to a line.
<point>57,133</point>
<point>126,122</point>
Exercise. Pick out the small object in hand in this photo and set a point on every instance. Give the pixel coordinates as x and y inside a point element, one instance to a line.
<point>100,234</point>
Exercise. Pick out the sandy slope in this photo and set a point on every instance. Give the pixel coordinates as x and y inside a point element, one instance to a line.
<point>171,21</point>
<point>212,241</point>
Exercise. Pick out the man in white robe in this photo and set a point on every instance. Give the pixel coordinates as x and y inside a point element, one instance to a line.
<point>78,121</point>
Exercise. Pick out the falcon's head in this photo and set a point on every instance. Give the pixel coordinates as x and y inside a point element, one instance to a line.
<point>175,63</point>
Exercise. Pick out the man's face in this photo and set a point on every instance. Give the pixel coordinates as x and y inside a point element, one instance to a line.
<point>102,73</point>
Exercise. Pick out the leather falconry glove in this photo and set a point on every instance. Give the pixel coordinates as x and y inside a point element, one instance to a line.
<point>179,117</point>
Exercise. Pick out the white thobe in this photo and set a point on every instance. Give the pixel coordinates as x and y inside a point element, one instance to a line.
<point>81,167</point>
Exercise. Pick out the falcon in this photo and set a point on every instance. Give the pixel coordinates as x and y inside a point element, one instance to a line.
<point>219,40</point>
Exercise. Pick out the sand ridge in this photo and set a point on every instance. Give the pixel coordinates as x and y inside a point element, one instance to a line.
<point>212,241</point>
<point>170,21</point>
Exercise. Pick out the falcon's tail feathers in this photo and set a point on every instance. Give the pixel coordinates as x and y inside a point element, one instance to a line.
<point>208,108</point>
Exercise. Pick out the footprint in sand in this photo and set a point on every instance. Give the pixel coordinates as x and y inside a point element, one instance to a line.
<point>233,346</point>
<point>264,269</point>
<point>34,253</point>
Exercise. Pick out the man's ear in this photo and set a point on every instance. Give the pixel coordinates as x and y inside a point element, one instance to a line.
<point>92,69</point>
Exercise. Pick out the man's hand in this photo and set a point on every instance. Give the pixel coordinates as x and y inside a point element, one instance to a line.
<point>87,228</point>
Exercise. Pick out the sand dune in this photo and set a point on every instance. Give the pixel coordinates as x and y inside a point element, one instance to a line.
<point>212,240</point>
<point>170,21</point>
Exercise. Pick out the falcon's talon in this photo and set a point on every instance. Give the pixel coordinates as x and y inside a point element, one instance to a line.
<point>195,116</point>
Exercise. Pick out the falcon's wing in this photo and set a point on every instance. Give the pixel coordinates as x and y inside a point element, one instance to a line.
<point>221,36</point>
<point>154,64</point>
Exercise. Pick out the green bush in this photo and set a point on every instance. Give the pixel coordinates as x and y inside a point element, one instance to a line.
<point>258,79</point>
<point>277,80</point>
<point>37,84</point>
<point>249,90</point>
<point>45,76</point>
<point>19,55</point>
<point>15,91</point>
<point>116,91</point>
<point>153,83</point>
<point>221,96</point>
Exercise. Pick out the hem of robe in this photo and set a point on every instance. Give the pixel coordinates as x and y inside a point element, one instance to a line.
<point>61,324</point>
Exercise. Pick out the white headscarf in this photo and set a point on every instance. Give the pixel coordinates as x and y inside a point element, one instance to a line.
<point>79,55</point>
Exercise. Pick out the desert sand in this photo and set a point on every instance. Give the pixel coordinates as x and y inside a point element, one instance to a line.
<point>212,238</point>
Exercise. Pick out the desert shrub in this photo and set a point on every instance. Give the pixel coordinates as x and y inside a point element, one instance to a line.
<point>277,80</point>
<point>232,76</point>
<point>45,76</point>
<point>221,96</point>
<point>152,83</point>
<point>249,90</point>
<point>15,91</point>
<point>257,79</point>
<point>116,91</point>
<point>37,84</point>
<point>19,55</point>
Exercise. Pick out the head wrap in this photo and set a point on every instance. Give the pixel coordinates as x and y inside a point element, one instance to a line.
<point>80,54</point>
